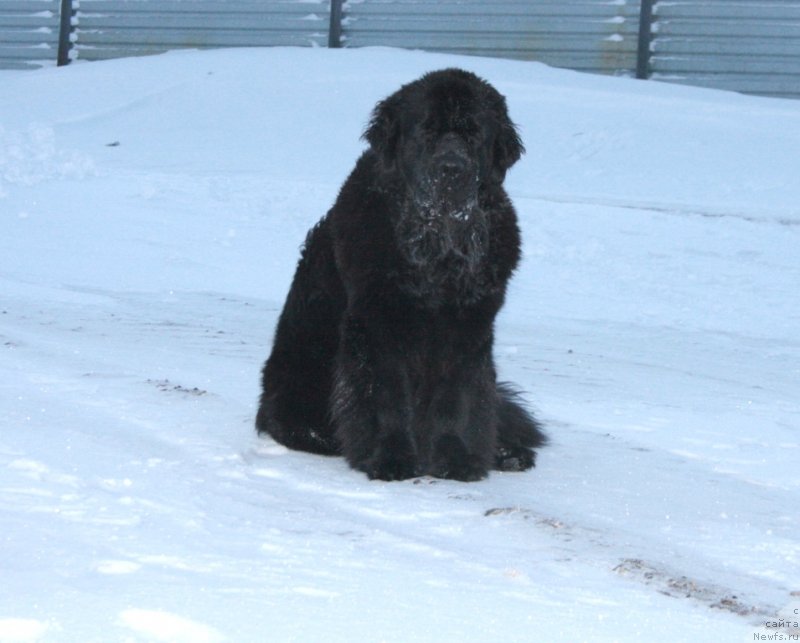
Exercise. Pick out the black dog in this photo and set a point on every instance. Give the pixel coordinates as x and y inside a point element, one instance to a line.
<point>383,352</point>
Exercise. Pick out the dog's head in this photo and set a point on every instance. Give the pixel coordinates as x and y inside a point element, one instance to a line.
<point>449,135</point>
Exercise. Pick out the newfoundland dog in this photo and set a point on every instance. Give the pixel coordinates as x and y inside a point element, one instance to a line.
<point>383,351</point>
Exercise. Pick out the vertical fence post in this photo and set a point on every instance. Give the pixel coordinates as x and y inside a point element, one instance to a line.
<point>64,32</point>
<point>645,39</point>
<point>335,28</point>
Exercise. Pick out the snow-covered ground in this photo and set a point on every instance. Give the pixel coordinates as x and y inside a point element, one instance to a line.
<point>152,211</point>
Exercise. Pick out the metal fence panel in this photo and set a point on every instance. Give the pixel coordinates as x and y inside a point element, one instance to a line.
<point>590,35</point>
<point>28,33</point>
<point>114,28</point>
<point>748,46</point>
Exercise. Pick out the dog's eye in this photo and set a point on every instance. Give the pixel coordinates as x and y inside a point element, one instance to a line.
<point>428,135</point>
<point>474,135</point>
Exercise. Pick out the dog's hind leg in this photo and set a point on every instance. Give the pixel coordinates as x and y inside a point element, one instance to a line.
<point>298,376</point>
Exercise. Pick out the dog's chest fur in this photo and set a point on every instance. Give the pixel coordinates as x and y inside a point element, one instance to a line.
<point>443,260</point>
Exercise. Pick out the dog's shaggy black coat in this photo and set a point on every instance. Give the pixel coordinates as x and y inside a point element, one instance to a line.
<point>383,352</point>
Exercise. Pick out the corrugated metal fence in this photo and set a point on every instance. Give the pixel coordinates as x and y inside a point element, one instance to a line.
<point>745,45</point>
<point>114,28</point>
<point>28,33</point>
<point>596,36</point>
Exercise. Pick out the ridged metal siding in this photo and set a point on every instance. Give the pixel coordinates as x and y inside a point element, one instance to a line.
<point>28,33</point>
<point>744,45</point>
<point>588,35</point>
<point>751,47</point>
<point>115,28</point>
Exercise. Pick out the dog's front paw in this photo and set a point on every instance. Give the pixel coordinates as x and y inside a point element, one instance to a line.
<point>453,461</point>
<point>393,459</point>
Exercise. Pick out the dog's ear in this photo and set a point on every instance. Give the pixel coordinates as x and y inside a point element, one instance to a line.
<point>508,146</point>
<point>383,131</point>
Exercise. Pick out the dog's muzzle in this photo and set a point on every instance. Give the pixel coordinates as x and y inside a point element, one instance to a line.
<point>452,174</point>
<point>451,164</point>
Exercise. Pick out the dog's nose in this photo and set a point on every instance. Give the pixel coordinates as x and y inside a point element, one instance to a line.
<point>450,164</point>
